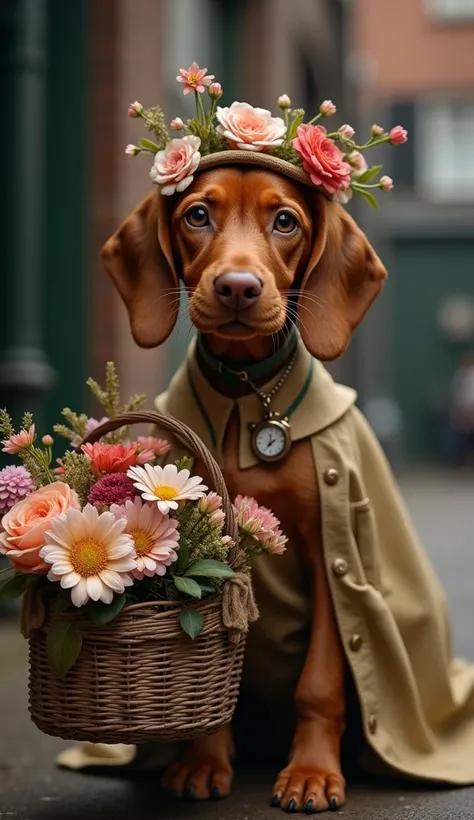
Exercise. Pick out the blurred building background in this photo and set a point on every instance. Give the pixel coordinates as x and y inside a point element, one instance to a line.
<point>69,73</point>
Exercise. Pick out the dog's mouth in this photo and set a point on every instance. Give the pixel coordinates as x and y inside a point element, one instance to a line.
<point>236,328</point>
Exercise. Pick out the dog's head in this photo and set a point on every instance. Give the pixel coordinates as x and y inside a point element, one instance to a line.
<point>254,250</point>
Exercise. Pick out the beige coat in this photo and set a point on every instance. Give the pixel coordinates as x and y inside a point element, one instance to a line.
<point>417,703</point>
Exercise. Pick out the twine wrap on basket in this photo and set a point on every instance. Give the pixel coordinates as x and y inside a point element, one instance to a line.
<point>139,678</point>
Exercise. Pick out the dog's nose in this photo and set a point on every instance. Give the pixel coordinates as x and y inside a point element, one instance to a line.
<point>237,290</point>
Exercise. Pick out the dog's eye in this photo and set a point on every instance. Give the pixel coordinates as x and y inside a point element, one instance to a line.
<point>285,222</point>
<point>197,217</point>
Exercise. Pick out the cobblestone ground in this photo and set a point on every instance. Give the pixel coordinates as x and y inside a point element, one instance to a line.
<point>31,788</point>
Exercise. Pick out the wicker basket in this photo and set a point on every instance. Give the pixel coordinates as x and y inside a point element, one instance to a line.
<point>140,678</point>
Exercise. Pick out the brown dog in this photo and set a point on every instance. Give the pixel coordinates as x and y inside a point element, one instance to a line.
<point>243,241</point>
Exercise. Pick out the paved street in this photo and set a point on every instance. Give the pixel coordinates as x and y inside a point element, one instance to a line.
<point>31,788</point>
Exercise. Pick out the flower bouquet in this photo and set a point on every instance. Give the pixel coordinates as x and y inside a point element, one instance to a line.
<point>135,576</point>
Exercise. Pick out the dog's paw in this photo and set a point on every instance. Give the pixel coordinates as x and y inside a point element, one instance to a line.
<point>310,790</point>
<point>206,779</point>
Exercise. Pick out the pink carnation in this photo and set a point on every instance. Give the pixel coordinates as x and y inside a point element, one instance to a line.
<point>322,159</point>
<point>15,484</point>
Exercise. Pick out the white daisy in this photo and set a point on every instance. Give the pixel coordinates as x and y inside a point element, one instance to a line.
<point>90,554</point>
<point>166,485</point>
<point>155,536</point>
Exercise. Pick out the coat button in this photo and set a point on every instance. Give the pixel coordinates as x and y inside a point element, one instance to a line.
<point>373,724</point>
<point>331,477</point>
<point>355,643</point>
<point>340,567</point>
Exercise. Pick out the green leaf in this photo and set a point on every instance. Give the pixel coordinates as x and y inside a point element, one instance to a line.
<point>183,557</point>
<point>63,643</point>
<point>210,568</point>
<point>368,196</point>
<point>62,601</point>
<point>370,174</point>
<point>188,586</point>
<point>191,622</point>
<point>17,585</point>
<point>102,613</point>
<point>206,587</point>
<point>148,145</point>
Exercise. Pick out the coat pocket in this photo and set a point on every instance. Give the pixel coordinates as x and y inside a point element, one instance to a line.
<point>366,535</point>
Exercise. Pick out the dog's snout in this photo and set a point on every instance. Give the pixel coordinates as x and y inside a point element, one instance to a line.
<point>238,290</point>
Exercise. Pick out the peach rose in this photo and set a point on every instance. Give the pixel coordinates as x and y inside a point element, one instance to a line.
<point>174,167</point>
<point>322,159</point>
<point>249,128</point>
<point>26,524</point>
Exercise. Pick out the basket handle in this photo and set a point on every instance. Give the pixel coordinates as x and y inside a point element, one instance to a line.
<point>192,442</point>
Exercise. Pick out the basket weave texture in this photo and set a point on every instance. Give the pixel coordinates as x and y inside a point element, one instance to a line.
<point>139,678</point>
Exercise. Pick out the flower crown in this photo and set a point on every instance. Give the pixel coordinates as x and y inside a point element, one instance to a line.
<point>332,162</point>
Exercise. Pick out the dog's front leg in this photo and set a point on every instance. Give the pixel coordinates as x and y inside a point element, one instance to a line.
<point>313,781</point>
<point>204,770</point>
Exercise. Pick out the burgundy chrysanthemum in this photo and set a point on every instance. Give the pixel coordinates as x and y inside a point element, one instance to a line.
<point>115,488</point>
<point>15,484</point>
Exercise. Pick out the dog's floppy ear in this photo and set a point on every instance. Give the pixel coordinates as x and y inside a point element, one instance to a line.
<point>343,277</point>
<point>139,259</point>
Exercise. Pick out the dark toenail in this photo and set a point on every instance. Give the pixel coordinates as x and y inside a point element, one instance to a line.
<point>309,808</point>
<point>216,793</point>
<point>276,800</point>
<point>292,805</point>
<point>333,804</point>
<point>188,794</point>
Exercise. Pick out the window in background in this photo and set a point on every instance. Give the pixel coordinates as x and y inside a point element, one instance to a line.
<point>452,9</point>
<point>444,155</point>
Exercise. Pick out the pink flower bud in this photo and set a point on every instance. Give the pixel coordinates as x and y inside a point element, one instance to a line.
<point>132,150</point>
<point>357,161</point>
<point>398,135</point>
<point>386,183</point>
<point>177,124</point>
<point>135,109</point>
<point>347,131</point>
<point>377,130</point>
<point>215,91</point>
<point>47,441</point>
<point>284,101</point>
<point>327,108</point>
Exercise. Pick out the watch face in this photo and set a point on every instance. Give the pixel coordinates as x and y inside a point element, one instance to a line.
<point>271,441</point>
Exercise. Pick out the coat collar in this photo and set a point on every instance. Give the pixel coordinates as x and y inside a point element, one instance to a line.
<point>191,399</point>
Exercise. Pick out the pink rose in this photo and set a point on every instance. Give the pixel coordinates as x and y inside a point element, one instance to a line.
<point>249,128</point>
<point>398,135</point>
<point>377,130</point>
<point>177,124</point>
<point>322,159</point>
<point>174,167</point>
<point>26,524</point>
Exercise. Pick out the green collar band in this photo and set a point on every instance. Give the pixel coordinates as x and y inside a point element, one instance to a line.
<point>260,371</point>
